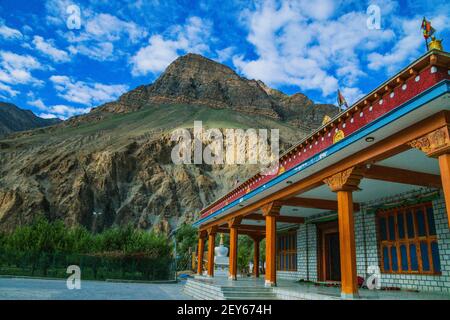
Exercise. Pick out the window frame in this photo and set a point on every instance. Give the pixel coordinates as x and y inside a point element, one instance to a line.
<point>417,240</point>
<point>289,251</point>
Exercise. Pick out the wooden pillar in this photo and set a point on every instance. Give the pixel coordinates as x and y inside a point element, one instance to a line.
<point>233,225</point>
<point>349,280</point>
<point>271,211</point>
<point>444,165</point>
<point>256,242</point>
<point>201,249</point>
<point>211,246</point>
<point>344,183</point>
<point>436,144</point>
<point>233,253</point>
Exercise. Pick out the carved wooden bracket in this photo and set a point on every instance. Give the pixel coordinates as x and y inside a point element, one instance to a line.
<point>257,237</point>
<point>212,230</point>
<point>345,180</point>
<point>271,209</point>
<point>434,143</point>
<point>234,222</point>
<point>202,234</point>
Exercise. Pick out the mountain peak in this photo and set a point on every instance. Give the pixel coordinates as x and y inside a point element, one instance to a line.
<point>193,79</point>
<point>13,119</point>
<point>196,64</point>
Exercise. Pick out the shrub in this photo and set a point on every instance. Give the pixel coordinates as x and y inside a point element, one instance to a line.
<point>46,248</point>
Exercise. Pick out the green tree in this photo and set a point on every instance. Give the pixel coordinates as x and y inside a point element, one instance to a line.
<point>186,237</point>
<point>245,253</point>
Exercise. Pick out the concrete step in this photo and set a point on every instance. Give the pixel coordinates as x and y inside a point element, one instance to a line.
<point>199,289</point>
<point>247,293</point>
<point>202,291</point>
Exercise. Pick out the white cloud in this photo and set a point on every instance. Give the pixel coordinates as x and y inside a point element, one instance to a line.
<point>96,51</point>
<point>161,51</point>
<point>38,103</point>
<point>86,93</point>
<point>16,69</point>
<point>225,54</point>
<point>57,11</point>
<point>10,91</point>
<point>9,33</point>
<point>110,28</point>
<point>47,116</point>
<point>155,57</point>
<point>57,111</point>
<point>409,46</point>
<point>299,43</point>
<point>101,35</point>
<point>318,9</point>
<point>351,94</point>
<point>64,112</point>
<point>48,49</point>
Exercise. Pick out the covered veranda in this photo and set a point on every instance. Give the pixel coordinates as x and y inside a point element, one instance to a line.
<point>294,290</point>
<point>394,140</point>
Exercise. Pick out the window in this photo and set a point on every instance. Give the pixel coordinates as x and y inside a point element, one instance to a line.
<point>407,240</point>
<point>287,251</point>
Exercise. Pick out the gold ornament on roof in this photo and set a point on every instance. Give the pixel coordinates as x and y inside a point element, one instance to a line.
<point>326,119</point>
<point>435,44</point>
<point>338,136</point>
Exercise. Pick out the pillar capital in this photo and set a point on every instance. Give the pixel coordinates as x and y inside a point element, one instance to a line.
<point>257,237</point>
<point>212,230</point>
<point>347,180</point>
<point>203,234</point>
<point>434,143</point>
<point>234,222</point>
<point>271,209</point>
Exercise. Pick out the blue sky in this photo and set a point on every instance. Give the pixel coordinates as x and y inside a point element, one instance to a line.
<point>54,68</point>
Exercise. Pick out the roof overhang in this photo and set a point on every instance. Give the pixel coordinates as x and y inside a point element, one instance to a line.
<point>422,106</point>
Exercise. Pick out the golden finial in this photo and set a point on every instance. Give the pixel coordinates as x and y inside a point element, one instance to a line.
<point>221,239</point>
<point>435,44</point>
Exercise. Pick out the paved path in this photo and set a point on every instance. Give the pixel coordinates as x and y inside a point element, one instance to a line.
<point>40,289</point>
<point>307,291</point>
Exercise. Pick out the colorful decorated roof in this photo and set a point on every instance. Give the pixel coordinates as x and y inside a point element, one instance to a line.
<point>420,75</point>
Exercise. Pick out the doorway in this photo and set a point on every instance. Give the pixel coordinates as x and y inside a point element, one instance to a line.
<point>329,262</point>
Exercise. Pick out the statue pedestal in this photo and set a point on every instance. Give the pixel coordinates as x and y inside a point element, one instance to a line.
<point>221,266</point>
<point>221,261</point>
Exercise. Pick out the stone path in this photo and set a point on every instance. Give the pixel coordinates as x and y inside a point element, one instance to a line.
<point>40,289</point>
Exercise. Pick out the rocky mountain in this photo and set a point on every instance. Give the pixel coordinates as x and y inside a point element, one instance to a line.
<point>194,79</point>
<point>13,119</point>
<point>113,165</point>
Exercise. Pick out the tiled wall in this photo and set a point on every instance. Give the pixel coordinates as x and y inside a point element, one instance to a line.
<point>306,255</point>
<point>367,251</point>
<point>365,225</point>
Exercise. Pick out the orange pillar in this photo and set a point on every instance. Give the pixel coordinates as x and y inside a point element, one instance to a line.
<point>256,257</point>
<point>444,165</point>
<point>349,281</point>
<point>201,249</point>
<point>271,279</point>
<point>211,245</point>
<point>344,183</point>
<point>233,253</point>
